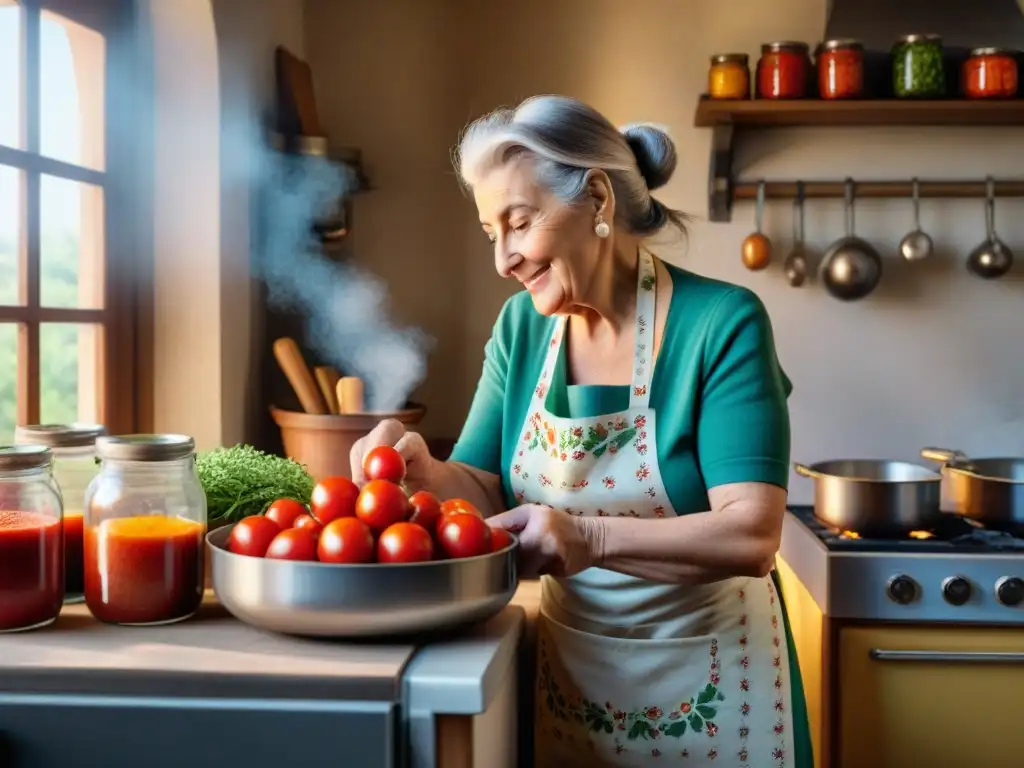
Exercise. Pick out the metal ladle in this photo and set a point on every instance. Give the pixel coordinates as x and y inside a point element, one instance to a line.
<point>916,245</point>
<point>993,258</point>
<point>795,265</point>
<point>851,267</point>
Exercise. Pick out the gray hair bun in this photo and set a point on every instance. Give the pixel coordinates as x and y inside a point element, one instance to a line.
<point>655,153</point>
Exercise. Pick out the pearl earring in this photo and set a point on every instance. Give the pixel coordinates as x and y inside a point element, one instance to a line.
<point>601,228</point>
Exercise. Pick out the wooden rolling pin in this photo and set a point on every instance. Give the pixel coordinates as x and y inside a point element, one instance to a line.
<point>350,395</point>
<point>328,378</point>
<point>289,357</point>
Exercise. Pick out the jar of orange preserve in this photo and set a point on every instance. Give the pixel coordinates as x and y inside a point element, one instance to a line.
<point>31,539</point>
<point>729,76</point>
<point>145,520</point>
<point>990,73</point>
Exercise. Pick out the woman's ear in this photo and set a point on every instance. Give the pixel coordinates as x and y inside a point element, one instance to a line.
<point>600,194</point>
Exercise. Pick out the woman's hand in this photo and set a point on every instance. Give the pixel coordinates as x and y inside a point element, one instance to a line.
<point>550,542</point>
<point>418,461</point>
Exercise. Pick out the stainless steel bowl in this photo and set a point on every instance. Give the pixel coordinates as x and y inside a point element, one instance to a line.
<point>326,600</point>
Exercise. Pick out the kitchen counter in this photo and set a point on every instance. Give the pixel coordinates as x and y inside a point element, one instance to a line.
<point>58,685</point>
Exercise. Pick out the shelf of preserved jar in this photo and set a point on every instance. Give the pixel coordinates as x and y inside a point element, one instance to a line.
<point>726,118</point>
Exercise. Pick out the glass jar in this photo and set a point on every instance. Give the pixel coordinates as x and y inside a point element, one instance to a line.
<point>31,539</point>
<point>729,76</point>
<point>990,73</point>
<point>145,520</point>
<point>917,67</point>
<point>782,70</point>
<point>74,466</point>
<point>841,69</point>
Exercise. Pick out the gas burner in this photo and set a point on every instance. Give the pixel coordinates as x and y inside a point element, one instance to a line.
<point>953,534</point>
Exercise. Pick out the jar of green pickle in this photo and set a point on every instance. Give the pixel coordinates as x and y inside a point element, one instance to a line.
<point>917,67</point>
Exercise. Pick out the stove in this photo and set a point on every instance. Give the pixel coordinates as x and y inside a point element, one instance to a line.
<point>958,572</point>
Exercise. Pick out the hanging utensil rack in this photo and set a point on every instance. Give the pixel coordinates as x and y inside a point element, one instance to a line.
<point>788,190</point>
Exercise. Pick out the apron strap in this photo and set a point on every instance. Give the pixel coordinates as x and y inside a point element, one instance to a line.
<point>540,392</point>
<point>643,344</point>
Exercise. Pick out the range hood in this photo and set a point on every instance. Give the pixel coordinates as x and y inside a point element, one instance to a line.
<point>963,24</point>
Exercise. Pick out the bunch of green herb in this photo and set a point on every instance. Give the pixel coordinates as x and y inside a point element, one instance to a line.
<point>242,481</point>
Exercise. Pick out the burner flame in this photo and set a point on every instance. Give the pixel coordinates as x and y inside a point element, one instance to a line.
<point>921,535</point>
<point>850,535</point>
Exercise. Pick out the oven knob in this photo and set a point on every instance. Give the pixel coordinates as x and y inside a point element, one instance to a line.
<point>1010,591</point>
<point>902,589</point>
<point>956,590</point>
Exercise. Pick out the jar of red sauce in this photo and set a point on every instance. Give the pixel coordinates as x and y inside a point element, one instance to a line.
<point>990,73</point>
<point>841,69</point>
<point>74,466</point>
<point>31,539</point>
<point>145,521</point>
<point>783,70</point>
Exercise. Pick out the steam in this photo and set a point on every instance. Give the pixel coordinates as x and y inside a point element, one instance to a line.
<point>345,308</point>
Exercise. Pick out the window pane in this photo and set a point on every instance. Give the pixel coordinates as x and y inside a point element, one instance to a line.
<point>71,250</point>
<point>12,197</point>
<point>69,365</point>
<point>8,381</point>
<point>72,78</point>
<point>10,74</point>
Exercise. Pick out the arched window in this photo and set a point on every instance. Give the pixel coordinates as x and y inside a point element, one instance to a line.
<point>67,270</point>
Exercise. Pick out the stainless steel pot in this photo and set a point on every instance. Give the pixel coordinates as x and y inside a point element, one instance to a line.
<point>875,498</point>
<point>989,490</point>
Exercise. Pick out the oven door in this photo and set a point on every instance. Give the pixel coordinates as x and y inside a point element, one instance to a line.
<point>931,696</point>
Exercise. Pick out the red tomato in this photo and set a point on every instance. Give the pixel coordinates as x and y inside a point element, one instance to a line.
<point>293,544</point>
<point>284,511</point>
<point>405,543</point>
<point>345,540</point>
<point>500,538</point>
<point>252,535</point>
<point>384,463</point>
<point>426,509</point>
<point>308,522</point>
<point>459,506</point>
<point>381,503</point>
<point>464,535</point>
<point>334,497</point>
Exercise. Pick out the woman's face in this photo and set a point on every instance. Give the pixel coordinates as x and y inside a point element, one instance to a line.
<point>546,245</point>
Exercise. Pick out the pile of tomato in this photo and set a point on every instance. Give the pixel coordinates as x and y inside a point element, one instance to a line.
<point>378,523</point>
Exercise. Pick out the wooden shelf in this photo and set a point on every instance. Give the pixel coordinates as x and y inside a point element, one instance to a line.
<point>726,118</point>
<point>814,112</point>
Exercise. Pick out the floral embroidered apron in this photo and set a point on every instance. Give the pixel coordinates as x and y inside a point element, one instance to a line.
<point>632,672</point>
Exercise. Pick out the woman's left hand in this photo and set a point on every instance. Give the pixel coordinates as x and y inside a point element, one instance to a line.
<point>550,542</point>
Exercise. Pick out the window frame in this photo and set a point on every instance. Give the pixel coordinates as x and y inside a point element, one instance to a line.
<point>124,344</point>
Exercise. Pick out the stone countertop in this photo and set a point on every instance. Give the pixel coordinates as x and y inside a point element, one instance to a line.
<point>214,654</point>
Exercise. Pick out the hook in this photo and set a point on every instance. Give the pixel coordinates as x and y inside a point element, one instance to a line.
<point>799,193</point>
<point>759,211</point>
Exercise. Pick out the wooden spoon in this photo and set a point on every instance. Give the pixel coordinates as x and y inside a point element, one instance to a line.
<point>327,377</point>
<point>290,358</point>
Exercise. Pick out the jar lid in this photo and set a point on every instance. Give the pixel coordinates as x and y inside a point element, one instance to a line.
<point>725,58</point>
<point>144,447</point>
<point>910,39</point>
<point>842,44</point>
<point>59,435</point>
<point>15,458</point>
<point>989,51</point>
<point>785,45</point>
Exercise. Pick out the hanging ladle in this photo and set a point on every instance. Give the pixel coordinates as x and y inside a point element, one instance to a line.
<point>916,245</point>
<point>991,259</point>
<point>795,265</point>
<point>757,248</point>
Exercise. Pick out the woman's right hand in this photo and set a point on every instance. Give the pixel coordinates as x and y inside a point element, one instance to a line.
<point>418,461</point>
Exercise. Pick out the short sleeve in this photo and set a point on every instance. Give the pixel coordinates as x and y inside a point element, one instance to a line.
<point>479,445</point>
<point>743,421</point>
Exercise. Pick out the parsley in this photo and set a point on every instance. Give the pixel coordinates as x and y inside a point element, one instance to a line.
<point>242,481</point>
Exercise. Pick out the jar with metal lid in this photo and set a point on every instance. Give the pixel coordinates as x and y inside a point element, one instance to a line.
<point>74,466</point>
<point>31,539</point>
<point>729,76</point>
<point>990,73</point>
<point>918,70</point>
<point>783,70</point>
<point>841,69</point>
<point>145,521</point>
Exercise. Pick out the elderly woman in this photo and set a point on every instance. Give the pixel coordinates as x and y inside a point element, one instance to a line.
<point>631,426</point>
